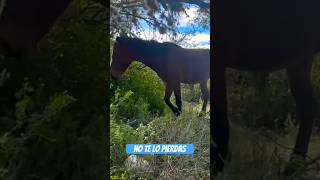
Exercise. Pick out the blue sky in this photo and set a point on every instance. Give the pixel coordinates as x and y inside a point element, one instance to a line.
<point>200,39</point>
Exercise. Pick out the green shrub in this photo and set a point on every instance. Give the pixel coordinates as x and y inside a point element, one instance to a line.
<point>128,109</point>
<point>52,108</point>
<point>145,96</point>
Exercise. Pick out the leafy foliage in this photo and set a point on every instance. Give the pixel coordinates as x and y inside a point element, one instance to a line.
<point>52,108</point>
<point>161,15</point>
<point>141,93</point>
<point>163,129</point>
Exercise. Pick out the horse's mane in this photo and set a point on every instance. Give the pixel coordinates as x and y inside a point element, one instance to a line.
<point>146,44</point>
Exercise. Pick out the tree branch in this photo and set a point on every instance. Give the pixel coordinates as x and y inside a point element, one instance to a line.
<point>199,3</point>
<point>148,20</point>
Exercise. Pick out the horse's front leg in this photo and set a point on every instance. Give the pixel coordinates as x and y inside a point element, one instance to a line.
<point>300,84</point>
<point>167,95</point>
<point>177,94</point>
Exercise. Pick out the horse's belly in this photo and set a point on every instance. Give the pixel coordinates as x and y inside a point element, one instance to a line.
<point>193,67</point>
<point>261,64</point>
<point>195,74</point>
<point>255,66</point>
<point>263,57</point>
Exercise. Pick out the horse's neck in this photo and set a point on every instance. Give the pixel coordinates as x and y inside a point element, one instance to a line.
<point>148,56</point>
<point>151,62</point>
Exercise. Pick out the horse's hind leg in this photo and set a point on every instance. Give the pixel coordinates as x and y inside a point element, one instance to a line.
<point>168,93</point>
<point>299,77</point>
<point>205,95</point>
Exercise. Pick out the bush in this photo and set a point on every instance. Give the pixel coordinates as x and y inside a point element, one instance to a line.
<point>121,134</point>
<point>126,108</point>
<point>145,93</point>
<point>53,107</point>
<point>188,128</point>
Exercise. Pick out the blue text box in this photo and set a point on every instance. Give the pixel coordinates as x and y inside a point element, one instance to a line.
<point>159,148</point>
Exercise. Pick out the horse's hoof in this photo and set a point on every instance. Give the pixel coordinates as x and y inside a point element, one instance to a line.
<point>202,114</point>
<point>295,164</point>
<point>177,113</point>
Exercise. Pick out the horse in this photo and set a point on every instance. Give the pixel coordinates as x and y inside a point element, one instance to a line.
<point>265,36</point>
<point>172,63</point>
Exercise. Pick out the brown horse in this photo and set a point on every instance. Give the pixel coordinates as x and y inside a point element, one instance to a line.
<point>255,36</point>
<point>173,64</point>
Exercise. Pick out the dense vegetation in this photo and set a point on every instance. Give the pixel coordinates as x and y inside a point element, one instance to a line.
<point>139,115</point>
<point>264,126</point>
<point>52,107</point>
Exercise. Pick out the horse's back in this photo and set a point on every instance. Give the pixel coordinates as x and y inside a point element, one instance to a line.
<point>191,65</point>
<point>266,35</point>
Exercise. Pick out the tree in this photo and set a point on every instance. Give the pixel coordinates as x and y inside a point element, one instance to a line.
<point>129,16</point>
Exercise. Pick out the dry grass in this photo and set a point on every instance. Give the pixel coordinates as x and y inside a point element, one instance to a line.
<point>263,155</point>
<point>189,128</point>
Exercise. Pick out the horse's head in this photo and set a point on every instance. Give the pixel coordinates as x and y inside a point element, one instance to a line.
<point>120,59</point>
